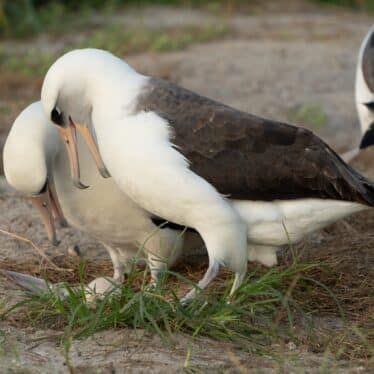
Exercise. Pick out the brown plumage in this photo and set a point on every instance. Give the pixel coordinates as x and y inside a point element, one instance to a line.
<point>368,63</point>
<point>248,157</point>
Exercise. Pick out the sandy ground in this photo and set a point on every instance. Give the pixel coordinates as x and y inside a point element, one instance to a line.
<point>276,62</point>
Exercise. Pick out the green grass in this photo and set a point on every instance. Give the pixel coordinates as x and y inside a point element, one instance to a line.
<point>134,40</point>
<point>353,4</point>
<point>271,307</point>
<point>309,115</point>
<point>253,317</point>
<point>118,40</point>
<point>23,18</point>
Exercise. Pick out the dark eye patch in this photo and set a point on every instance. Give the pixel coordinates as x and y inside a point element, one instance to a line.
<point>56,117</point>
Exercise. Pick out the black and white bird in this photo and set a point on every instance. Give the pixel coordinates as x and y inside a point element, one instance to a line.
<point>35,164</point>
<point>235,178</point>
<point>365,89</point>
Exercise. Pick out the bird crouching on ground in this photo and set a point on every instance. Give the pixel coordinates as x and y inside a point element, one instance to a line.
<point>36,164</point>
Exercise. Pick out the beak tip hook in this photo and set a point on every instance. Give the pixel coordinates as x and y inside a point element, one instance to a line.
<point>80,185</point>
<point>64,223</point>
<point>104,173</point>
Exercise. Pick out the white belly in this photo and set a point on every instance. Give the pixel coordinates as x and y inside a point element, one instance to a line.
<point>102,210</point>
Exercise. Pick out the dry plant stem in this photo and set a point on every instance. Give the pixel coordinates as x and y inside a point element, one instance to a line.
<point>37,249</point>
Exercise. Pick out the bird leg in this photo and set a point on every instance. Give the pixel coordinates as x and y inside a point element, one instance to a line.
<point>239,277</point>
<point>209,276</point>
<point>157,269</point>
<point>162,248</point>
<point>118,266</point>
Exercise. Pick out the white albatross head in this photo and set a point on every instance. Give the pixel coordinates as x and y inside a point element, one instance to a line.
<point>28,154</point>
<point>365,89</point>
<point>74,85</point>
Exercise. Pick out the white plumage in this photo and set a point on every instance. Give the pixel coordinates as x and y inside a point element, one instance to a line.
<point>33,153</point>
<point>137,150</point>
<point>363,94</point>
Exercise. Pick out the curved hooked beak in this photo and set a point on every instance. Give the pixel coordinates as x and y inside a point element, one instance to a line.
<point>69,137</point>
<point>92,146</point>
<point>48,205</point>
<point>56,207</point>
<point>44,204</point>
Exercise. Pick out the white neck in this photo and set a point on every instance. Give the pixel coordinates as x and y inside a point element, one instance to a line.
<point>30,149</point>
<point>362,91</point>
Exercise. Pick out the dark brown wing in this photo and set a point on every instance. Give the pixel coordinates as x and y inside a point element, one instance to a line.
<point>247,157</point>
<point>368,63</point>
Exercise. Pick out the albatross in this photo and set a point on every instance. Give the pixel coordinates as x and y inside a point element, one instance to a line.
<point>236,178</point>
<point>365,89</point>
<point>35,164</point>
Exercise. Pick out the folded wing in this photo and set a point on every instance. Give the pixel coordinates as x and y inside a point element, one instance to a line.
<point>248,157</point>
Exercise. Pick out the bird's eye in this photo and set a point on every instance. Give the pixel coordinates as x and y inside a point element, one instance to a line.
<point>56,117</point>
